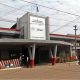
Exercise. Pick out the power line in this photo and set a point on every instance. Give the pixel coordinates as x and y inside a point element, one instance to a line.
<point>18,8</point>
<point>64,25</point>
<point>59,19</point>
<point>51,8</point>
<point>13,11</point>
<point>12,7</point>
<point>42,6</point>
<point>53,25</point>
<point>7,20</point>
<point>24,10</point>
<point>12,21</point>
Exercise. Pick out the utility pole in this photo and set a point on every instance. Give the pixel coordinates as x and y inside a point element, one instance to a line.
<point>75,29</point>
<point>37,9</point>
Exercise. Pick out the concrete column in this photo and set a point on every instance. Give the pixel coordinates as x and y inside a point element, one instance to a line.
<point>55,54</point>
<point>33,51</point>
<point>71,53</point>
<point>55,51</point>
<point>47,28</point>
<point>29,50</point>
<point>32,55</point>
<point>51,55</point>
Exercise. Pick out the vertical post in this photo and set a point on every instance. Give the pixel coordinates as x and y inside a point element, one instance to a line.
<point>51,55</point>
<point>47,28</point>
<point>28,26</point>
<point>55,54</point>
<point>29,50</point>
<point>37,9</point>
<point>32,55</point>
<point>71,53</point>
<point>75,29</point>
<point>55,51</point>
<point>33,51</point>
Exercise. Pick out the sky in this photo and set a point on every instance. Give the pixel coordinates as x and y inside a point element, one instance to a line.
<point>63,14</point>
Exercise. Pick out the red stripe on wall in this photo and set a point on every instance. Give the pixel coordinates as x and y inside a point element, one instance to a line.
<point>9,29</point>
<point>64,35</point>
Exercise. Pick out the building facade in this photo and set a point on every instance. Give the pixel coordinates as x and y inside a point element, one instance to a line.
<point>29,43</point>
<point>70,39</point>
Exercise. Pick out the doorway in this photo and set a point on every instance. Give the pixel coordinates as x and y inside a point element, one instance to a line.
<point>41,56</point>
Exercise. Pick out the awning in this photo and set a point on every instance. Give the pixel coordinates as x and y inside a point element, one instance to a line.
<point>28,41</point>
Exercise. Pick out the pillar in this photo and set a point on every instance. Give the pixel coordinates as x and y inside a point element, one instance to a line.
<point>55,54</point>
<point>71,53</point>
<point>51,55</point>
<point>29,50</point>
<point>31,55</point>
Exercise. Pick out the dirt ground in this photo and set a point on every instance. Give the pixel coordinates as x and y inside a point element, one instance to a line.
<point>60,71</point>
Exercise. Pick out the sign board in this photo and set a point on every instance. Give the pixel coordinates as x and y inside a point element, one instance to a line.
<point>37,28</point>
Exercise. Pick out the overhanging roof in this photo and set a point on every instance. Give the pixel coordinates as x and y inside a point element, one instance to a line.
<point>9,31</point>
<point>28,41</point>
<point>59,36</point>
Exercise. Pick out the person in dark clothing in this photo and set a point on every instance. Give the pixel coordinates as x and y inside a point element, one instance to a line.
<point>22,60</point>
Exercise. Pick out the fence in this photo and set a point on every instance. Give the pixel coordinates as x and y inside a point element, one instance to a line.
<point>9,63</point>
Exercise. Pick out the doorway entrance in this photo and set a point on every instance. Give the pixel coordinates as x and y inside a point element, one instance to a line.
<point>41,55</point>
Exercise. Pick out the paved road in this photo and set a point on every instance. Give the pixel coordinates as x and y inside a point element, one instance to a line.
<point>61,71</point>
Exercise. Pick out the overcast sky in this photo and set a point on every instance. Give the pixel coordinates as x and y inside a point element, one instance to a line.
<point>63,15</point>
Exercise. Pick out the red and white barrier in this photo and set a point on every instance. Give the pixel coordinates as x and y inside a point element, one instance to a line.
<point>72,58</point>
<point>0,65</point>
<point>3,64</point>
<point>9,63</point>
